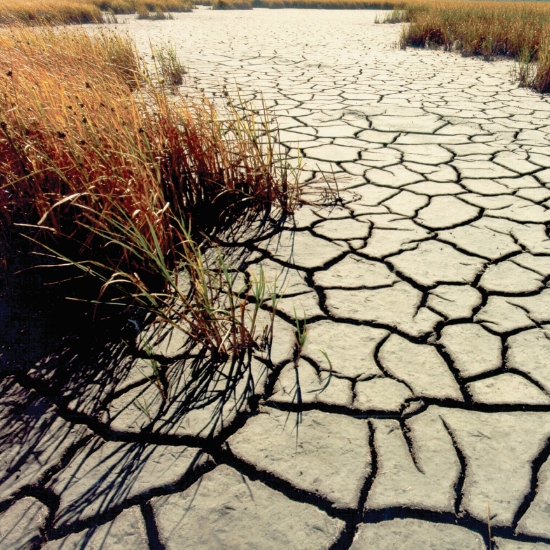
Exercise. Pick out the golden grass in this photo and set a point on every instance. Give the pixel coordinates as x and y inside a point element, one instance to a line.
<point>109,172</point>
<point>306,4</point>
<point>520,30</point>
<point>328,4</point>
<point>334,4</point>
<point>48,11</point>
<point>81,11</point>
<point>132,6</point>
<point>90,11</point>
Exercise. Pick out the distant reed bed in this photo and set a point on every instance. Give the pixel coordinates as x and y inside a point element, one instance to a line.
<point>307,4</point>
<point>398,5</point>
<point>520,30</point>
<point>48,11</point>
<point>66,12</point>
<point>95,11</point>
<point>100,11</point>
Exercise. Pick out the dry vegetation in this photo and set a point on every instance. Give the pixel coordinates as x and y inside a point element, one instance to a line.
<point>48,11</point>
<point>132,6</point>
<point>307,4</point>
<point>91,11</point>
<point>516,29</point>
<point>519,30</point>
<point>123,180</point>
<point>82,11</point>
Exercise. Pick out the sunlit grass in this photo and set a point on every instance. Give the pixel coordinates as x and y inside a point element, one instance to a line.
<point>133,6</point>
<point>520,30</point>
<point>83,11</point>
<point>105,169</point>
<point>48,11</point>
<point>307,4</point>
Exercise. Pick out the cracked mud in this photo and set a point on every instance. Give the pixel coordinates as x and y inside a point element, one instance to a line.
<point>418,411</point>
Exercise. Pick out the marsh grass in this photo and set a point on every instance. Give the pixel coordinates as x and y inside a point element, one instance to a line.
<point>232,5</point>
<point>338,4</point>
<point>142,12</point>
<point>168,66</point>
<point>40,12</point>
<point>306,4</point>
<point>118,183</point>
<point>132,6</point>
<point>518,30</point>
<point>31,12</point>
<point>396,15</point>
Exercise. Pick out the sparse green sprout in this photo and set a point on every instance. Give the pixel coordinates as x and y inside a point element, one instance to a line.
<point>301,331</point>
<point>329,378</point>
<point>143,407</point>
<point>155,367</point>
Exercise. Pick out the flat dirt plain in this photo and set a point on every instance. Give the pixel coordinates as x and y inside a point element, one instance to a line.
<point>425,284</point>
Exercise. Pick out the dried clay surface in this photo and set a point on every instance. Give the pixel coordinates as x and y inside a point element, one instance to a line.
<point>417,412</point>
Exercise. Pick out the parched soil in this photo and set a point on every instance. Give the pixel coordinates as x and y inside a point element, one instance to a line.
<point>416,414</point>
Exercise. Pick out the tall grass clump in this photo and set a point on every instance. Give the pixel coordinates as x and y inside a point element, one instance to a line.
<point>232,4</point>
<point>305,4</point>
<point>134,6</point>
<point>142,12</point>
<point>327,4</point>
<point>335,4</point>
<point>514,29</point>
<point>534,67</point>
<point>44,12</point>
<point>168,66</point>
<point>109,178</point>
<point>33,12</point>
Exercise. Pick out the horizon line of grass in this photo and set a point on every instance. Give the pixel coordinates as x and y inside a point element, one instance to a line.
<point>53,12</point>
<point>40,12</point>
<point>339,4</point>
<point>307,4</point>
<point>44,12</point>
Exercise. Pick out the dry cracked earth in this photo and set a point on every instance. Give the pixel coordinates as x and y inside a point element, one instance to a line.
<point>416,415</point>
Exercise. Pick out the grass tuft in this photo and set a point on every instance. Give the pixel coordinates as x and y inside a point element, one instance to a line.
<point>110,177</point>
<point>31,12</point>
<point>142,12</point>
<point>232,4</point>
<point>168,66</point>
<point>47,12</point>
<point>513,29</point>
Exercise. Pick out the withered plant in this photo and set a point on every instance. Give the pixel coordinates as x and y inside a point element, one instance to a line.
<point>513,29</point>
<point>111,176</point>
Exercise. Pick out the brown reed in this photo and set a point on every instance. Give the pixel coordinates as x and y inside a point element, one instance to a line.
<point>116,176</point>
<point>33,12</point>
<point>514,29</point>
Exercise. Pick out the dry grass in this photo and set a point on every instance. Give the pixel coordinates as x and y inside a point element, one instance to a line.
<point>142,12</point>
<point>515,29</point>
<point>48,11</point>
<point>121,179</point>
<point>307,4</point>
<point>336,4</point>
<point>83,11</point>
<point>133,6</point>
<point>90,11</point>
